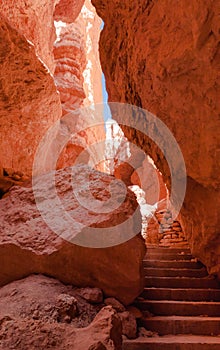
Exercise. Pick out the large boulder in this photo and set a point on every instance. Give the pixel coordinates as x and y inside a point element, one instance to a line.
<point>28,245</point>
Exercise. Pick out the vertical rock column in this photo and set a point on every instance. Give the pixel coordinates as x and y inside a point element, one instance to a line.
<point>78,76</point>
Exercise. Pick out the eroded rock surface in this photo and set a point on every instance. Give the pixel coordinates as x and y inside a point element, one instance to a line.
<point>29,102</point>
<point>68,10</point>
<point>78,77</point>
<point>168,63</point>
<point>36,323</point>
<point>70,58</point>
<point>33,19</point>
<point>29,246</point>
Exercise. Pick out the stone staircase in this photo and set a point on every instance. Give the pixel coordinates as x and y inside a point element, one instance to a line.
<point>180,302</point>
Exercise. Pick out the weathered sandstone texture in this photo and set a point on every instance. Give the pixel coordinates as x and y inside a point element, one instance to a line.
<point>54,316</point>
<point>164,231</point>
<point>70,58</point>
<point>78,77</point>
<point>33,19</point>
<point>90,24</point>
<point>164,57</point>
<point>67,10</point>
<point>29,102</point>
<point>143,174</point>
<point>29,246</point>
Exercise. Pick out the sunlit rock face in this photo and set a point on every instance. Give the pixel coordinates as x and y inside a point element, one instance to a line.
<point>165,58</point>
<point>33,19</point>
<point>90,24</point>
<point>117,152</point>
<point>78,72</point>
<point>29,102</point>
<point>32,96</point>
<point>78,77</point>
<point>70,58</point>
<point>85,233</point>
<point>68,10</point>
<point>150,180</point>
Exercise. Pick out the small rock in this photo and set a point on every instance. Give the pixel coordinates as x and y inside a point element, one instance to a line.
<point>142,332</point>
<point>92,295</point>
<point>129,324</point>
<point>135,311</point>
<point>66,307</point>
<point>115,304</point>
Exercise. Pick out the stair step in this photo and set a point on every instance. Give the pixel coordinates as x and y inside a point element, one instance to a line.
<point>181,294</point>
<point>168,256</point>
<point>184,300</point>
<point>165,250</point>
<point>181,282</point>
<point>173,342</point>
<point>182,325</point>
<point>172,272</point>
<point>173,264</point>
<point>180,308</point>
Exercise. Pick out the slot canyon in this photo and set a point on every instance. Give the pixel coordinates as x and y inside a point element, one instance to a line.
<point>109,174</point>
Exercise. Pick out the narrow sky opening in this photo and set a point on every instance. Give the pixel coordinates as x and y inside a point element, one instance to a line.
<point>107,111</point>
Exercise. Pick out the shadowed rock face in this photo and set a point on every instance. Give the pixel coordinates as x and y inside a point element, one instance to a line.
<point>29,246</point>
<point>165,58</point>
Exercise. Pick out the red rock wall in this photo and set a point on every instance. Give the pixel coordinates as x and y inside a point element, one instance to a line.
<point>151,181</point>
<point>164,56</point>
<point>29,102</point>
<point>33,19</point>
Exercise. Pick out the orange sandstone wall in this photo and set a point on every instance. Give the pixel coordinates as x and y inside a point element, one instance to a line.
<point>164,56</point>
<point>36,87</point>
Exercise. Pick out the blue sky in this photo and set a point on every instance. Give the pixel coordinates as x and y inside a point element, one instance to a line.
<point>107,112</point>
